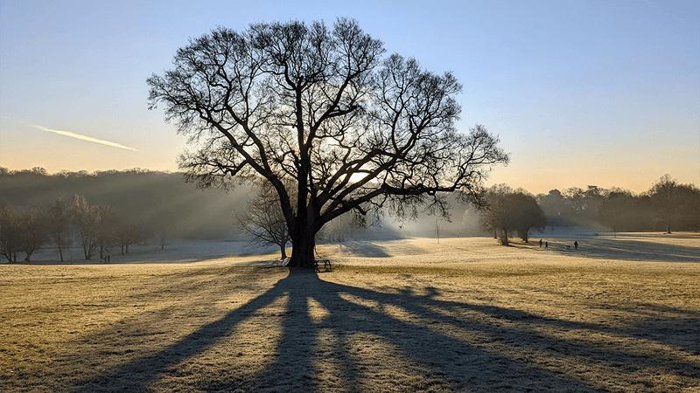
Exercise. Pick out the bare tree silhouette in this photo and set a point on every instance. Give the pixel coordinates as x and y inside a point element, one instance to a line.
<point>506,210</point>
<point>674,202</point>
<point>58,225</point>
<point>264,221</point>
<point>322,109</point>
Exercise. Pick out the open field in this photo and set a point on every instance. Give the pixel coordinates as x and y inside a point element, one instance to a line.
<point>620,314</point>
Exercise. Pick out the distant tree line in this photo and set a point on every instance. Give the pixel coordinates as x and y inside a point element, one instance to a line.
<point>95,229</point>
<point>117,209</point>
<point>143,198</point>
<point>114,210</point>
<point>668,205</point>
<point>504,212</point>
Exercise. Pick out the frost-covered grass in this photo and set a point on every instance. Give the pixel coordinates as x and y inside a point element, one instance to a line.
<point>466,314</point>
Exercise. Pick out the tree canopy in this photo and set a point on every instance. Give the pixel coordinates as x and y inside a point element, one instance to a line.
<point>507,210</point>
<point>325,110</point>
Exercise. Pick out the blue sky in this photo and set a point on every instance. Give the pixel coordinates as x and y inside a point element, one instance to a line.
<point>581,92</point>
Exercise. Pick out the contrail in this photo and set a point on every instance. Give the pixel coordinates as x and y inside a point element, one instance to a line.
<point>83,137</point>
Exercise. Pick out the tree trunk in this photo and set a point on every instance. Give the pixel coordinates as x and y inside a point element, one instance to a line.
<point>668,229</point>
<point>60,253</point>
<point>504,237</point>
<point>283,251</point>
<point>303,249</point>
<point>304,230</point>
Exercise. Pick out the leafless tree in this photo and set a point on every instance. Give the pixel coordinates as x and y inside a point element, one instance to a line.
<point>127,233</point>
<point>23,231</point>
<point>33,231</point>
<point>321,108</point>
<point>264,220</point>
<point>528,215</point>
<point>86,218</point>
<point>497,212</point>
<point>162,237</point>
<point>10,240</point>
<point>506,210</point>
<point>106,230</point>
<point>58,217</point>
<point>671,201</point>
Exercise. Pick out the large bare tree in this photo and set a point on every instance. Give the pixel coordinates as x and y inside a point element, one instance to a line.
<point>321,108</point>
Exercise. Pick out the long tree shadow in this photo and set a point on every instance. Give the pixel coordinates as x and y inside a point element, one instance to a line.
<point>137,374</point>
<point>444,363</point>
<point>518,329</point>
<point>449,345</point>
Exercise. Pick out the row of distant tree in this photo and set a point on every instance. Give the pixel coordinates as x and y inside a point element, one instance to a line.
<point>96,229</point>
<point>668,205</point>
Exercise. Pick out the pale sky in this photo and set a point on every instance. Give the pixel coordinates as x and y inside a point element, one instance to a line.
<point>580,92</point>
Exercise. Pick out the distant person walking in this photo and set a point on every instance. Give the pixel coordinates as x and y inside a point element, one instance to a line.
<point>546,244</point>
<point>540,243</point>
<point>576,244</point>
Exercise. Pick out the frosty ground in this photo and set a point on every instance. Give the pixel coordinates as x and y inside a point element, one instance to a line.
<point>619,314</point>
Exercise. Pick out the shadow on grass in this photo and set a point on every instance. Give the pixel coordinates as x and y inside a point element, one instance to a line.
<point>364,248</point>
<point>622,249</point>
<point>507,349</point>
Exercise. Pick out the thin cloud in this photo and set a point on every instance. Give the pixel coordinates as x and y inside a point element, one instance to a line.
<point>86,138</point>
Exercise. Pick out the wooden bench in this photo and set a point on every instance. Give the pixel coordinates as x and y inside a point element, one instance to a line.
<point>327,266</point>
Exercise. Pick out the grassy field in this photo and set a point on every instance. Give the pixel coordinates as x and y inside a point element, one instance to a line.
<point>466,314</point>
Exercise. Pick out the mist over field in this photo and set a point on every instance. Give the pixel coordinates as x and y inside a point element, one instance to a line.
<point>162,199</point>
<point>159,199</point>
<point>147,197</point>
